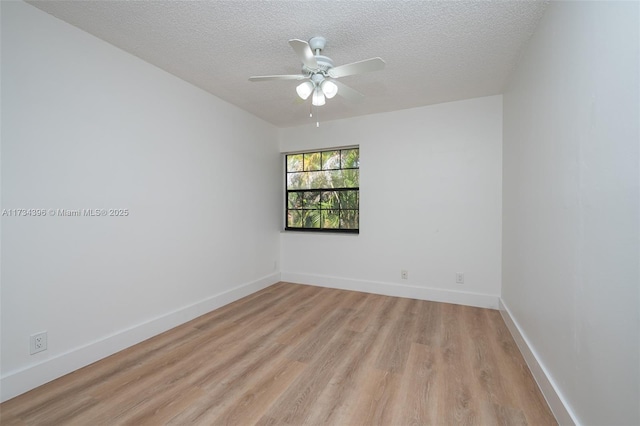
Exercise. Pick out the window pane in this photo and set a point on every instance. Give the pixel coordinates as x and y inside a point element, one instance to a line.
<point>335,178</point>
<point>330,160</point>
<point>312,161</point>
<point>294,200</point>
<point>348,199</point>
<point>297,180</point>
<point>329,200</point>
<point>349,219</point>
<point>350,158</point>
<point>294,218</point>
<point>311,219</point>
<point>311,200</point>
<point>294,163</point>
<point>331,179</point>
<point>351,178</point>
<point>331,219</point>
<point>343,178</point>
<point>319,180</point>
<point>324,179</point>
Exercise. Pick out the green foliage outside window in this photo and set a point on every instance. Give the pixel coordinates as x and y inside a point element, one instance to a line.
<point>323,190</point>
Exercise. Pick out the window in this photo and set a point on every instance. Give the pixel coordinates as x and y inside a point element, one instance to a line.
<point>323,190</point>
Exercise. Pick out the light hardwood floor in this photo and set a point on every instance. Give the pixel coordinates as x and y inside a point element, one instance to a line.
<point>294,354</point>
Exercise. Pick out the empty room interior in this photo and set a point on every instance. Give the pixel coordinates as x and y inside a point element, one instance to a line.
<point>195,230</point>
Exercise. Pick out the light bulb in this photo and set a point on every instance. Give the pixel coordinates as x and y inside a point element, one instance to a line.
<point>318,98</point>
<point>329,88</point>
<point>305,89</point>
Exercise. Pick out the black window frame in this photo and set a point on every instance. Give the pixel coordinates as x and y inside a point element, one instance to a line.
<point>321,190</point>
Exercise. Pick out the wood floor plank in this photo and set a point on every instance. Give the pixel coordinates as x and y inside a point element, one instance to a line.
<point>252,404</point>
<point>419,390</point>
<point>58,415</point>
<point>393,355</point>
<point>232,381</point>
<point>339,398</point>
<point>295,405</point>
<point>301,355</point>
<point>311,346</point>
<point>364,313</point>
<point>307,321</point>
<point>461,407</point>
<point>377,399</point>
<point>162,413</point>
<point>7,419</point>
<point>428,323</point>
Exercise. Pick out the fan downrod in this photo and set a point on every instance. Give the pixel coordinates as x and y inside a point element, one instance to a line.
<point>317,43</point>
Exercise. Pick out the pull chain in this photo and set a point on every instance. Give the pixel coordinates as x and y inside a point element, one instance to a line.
<point>311,114</point>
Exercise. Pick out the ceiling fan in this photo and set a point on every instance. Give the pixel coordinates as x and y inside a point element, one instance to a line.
<point>320,75</point>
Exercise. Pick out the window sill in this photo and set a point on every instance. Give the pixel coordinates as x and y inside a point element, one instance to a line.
<point>327,233</point>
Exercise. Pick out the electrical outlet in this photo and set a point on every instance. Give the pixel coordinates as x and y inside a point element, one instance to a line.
<point>38,342</point>
<point>404,274</point>
<point>460,277</point>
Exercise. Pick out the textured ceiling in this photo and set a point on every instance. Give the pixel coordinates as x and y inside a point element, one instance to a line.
<point>436,51</point>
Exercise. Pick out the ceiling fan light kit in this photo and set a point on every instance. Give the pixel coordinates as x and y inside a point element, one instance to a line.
<point>319,73</point>
<point>329,88</point>
<point>318,98</point>
<point>305,89</point>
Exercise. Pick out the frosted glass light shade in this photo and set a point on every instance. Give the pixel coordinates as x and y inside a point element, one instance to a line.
<point>318,98</point>
<point>304,89</point>
<point>329,88</point>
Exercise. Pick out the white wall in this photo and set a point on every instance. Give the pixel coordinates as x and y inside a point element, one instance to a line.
<point>570,206</point>
<point>85,125</point>
<point>430,187</point>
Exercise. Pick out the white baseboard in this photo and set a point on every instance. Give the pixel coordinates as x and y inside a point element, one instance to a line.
<point>561,410</point>
<point>21,381</point>
<point>397,290</point>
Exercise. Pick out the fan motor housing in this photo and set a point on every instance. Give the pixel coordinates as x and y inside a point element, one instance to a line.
<point>324,63</point>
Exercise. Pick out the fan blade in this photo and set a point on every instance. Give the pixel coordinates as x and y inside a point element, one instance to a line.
<point>278,77</point>
<point>348,93</point>
<point>373,64</point>
<point>304,52</point>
